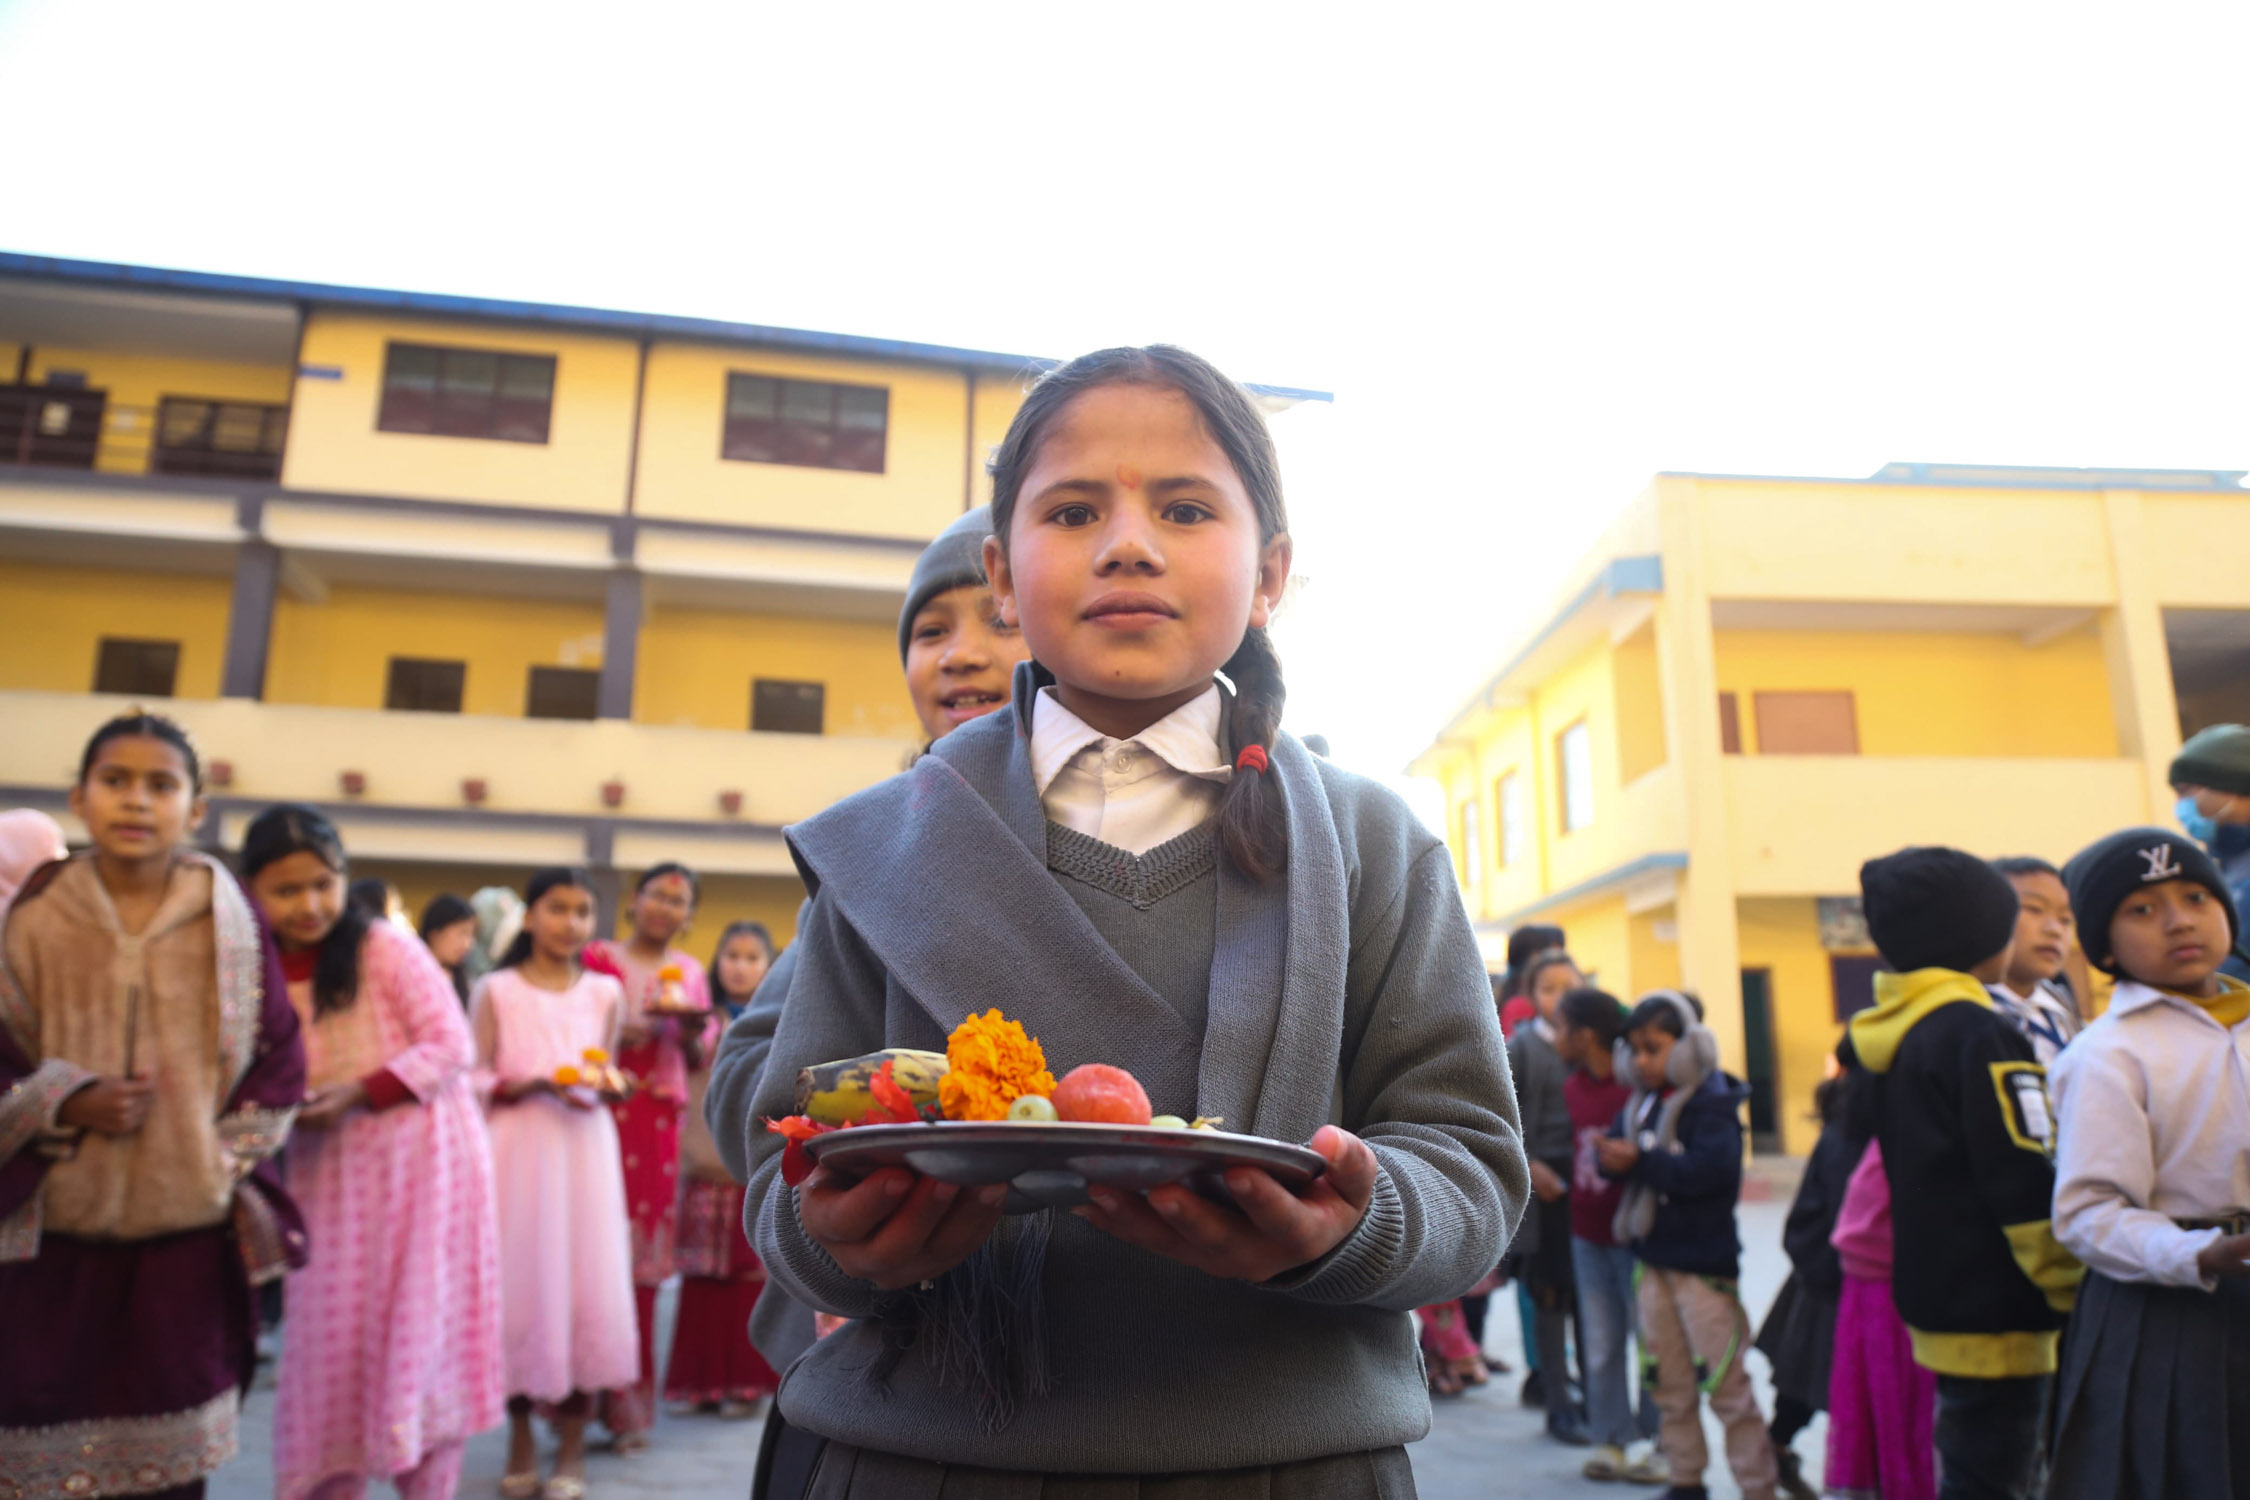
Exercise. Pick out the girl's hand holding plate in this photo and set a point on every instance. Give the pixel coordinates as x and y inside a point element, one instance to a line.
<point>1267,1232</point>
<point>894,1227</point>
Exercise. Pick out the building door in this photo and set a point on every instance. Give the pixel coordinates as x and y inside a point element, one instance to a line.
<point>1757,1051</point>
<point>56,426</point>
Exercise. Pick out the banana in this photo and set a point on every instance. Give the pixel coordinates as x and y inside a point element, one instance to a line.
<point>840,1093</point>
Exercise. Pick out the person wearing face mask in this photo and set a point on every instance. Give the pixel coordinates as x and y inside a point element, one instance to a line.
<point>2211,775</point>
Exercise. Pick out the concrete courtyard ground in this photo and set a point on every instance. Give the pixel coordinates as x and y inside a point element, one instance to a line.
<point>1481,1445</point>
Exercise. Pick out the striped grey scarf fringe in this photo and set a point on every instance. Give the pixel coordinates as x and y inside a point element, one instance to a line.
<point>983,1325</point>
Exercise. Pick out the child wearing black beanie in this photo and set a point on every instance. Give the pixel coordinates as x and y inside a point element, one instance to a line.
<point>2153,1111</point>
<point>1962,1117</point>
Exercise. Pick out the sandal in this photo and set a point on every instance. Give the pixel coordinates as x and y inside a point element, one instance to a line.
<point>1471,1371</point>
<point>1443,1382</point>
<point>519,1486</point>
<point>564,1487</point>
<point>625,1445</point>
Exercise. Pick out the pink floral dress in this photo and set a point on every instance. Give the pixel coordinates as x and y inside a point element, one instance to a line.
<point>392,1347</point>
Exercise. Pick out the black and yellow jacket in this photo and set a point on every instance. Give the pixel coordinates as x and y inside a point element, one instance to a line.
<point>1969,1145</point>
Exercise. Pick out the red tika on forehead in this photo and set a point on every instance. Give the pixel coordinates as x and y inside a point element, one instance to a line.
<point>1129,476</point>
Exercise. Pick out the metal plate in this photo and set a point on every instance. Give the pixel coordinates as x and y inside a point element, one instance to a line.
<point>1050,1166</point>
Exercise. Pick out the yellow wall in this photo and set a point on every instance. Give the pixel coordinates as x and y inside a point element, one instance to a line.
<point>337,654</point>
<point>1655,959</point>
<point>696,666</point>
<point>682,476</point>
<point>1639,705</point>
<point>52,620</point>
<point>1782,935</point>
<point>1619,951</point>
<point>996,400</point>
<point>141,381</point>
<point>1598,934</point>
<point>2196,544</point>
<point>1933,693</point>
<point>334,443</point>
<point>1615,692</point>
<point>1766,539</point>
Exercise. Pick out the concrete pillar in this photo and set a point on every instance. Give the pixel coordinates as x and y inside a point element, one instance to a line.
<point>601,871</point>
<point>2141,695</point>
<point>621,644</point>
<point>1687,667</point>
<point>257,582</point>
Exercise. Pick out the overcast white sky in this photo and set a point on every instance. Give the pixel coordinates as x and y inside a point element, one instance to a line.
<point>1539,252</point>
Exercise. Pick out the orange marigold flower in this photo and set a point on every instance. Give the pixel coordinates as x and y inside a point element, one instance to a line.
<point>990,1064</point>
<point>595,1056</point>
<point>567,1076</point>
<point>671,974</point>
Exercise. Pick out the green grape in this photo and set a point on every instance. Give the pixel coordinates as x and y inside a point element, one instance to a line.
<point>1035,1108</point>
<point>1169,1122</point>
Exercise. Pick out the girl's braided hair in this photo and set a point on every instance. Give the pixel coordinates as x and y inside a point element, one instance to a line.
<point>1253,832</point>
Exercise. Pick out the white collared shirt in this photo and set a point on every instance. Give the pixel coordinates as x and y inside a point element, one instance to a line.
<point>1136,793</point>
<point>2044,1017</point>
<point>2152,1106</point>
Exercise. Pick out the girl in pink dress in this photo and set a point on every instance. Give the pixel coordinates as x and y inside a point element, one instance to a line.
<point>657,1048</point>
<point>392,1358</point>
<point>1882,1406</point>
<point>566,1304</point>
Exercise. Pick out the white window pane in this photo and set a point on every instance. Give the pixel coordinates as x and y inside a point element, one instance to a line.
<point>1576,760</point>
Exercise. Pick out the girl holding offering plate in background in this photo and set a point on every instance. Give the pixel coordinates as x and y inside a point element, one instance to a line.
<point>545,1027</point>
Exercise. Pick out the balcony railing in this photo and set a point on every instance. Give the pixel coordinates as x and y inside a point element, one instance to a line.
<point>67,427</point>
<point>440,764</point>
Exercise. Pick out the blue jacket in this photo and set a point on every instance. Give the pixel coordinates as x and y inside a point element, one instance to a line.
<point>2231,848</point>
<point>1697,1183</point>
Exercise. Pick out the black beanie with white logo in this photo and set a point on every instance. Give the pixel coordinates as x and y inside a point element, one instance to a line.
<point>2103,874</point>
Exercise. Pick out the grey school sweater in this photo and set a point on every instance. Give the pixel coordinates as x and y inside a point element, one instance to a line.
<point>933,897</point>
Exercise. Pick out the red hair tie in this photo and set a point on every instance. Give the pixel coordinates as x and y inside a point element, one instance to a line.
<point>1252,758</point>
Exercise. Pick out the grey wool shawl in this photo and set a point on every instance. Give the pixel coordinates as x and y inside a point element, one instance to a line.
<point>1349,988</point>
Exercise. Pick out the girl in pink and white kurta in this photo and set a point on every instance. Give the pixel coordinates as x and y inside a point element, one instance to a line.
<point>392,1358</point>
<point>392,1352</point>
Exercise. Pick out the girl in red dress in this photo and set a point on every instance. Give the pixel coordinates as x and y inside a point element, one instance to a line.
<point>667,1012</point>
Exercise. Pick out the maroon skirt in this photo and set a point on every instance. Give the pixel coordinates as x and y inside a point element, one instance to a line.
<point>145,1348</point>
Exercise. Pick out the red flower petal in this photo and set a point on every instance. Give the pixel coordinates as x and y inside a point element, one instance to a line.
<point>892,1098</point>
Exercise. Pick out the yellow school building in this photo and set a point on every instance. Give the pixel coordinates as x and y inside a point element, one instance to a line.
<point>498,584</point>
<point>1751,685</point>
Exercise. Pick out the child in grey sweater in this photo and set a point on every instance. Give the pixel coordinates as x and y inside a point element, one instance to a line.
<point>1145,873</point>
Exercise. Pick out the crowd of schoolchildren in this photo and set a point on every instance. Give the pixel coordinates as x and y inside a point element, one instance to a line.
<point>220,1080</point>
<point>471,1155</point>
<point>2020,1251</point>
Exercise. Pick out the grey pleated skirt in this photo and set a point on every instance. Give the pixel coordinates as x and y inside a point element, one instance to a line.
<point>2154,1398</point>
<point>848,1473</point>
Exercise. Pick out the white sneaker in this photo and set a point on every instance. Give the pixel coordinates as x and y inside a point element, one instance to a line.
<point>1649,1468</point>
